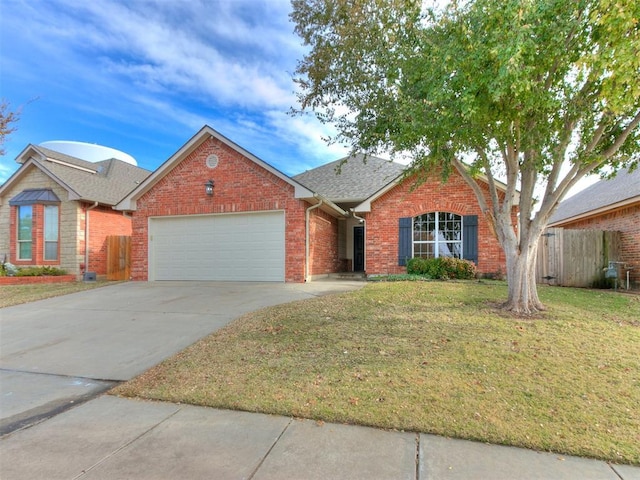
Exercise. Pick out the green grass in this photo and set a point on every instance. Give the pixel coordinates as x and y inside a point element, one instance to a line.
<point>17,294</point>
<point>430,357</point>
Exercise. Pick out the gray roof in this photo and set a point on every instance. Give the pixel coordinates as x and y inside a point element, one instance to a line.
<point>35,195</point>
<point>350,179</point>
<point>106,182</point>
<point>624,187</point>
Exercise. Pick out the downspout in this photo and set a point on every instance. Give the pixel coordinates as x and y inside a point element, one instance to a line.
<point>364,224</point>
<point>308,240</point>
<point>86,235</point>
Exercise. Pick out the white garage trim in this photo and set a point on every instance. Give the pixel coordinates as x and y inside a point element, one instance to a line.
<point>226,247</point>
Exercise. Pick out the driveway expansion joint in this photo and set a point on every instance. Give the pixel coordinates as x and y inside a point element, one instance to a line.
<point>44,412</point>
<point>126,444</point>
<point>59,375</point>
<point>262,460</point>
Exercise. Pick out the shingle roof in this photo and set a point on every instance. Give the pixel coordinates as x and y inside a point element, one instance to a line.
<point>623,187</point>
<point>351,178</point>
<point>106,182</point>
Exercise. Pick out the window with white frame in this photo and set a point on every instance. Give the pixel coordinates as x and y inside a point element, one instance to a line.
<point>25,227</point>
<point>51,233</point>
<point>437,234</point>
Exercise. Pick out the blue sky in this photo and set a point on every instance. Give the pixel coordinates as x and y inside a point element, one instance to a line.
<point>143,76</point>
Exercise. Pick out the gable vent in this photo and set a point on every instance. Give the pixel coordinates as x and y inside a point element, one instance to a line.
<point>212,161</point>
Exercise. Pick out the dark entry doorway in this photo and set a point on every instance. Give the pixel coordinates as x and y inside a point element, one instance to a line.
<point>358,249</point>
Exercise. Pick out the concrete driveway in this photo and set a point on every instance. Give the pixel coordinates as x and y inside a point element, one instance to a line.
<point>57,352</point>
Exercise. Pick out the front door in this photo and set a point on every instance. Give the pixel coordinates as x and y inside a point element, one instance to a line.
<point>358,249</point>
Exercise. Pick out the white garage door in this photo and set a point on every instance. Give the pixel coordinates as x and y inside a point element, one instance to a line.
<point>230,247</point>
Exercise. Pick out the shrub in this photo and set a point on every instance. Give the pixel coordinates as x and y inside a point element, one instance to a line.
<point>40,271</point>
<point>442,268</point>
<point>404,277</point>
<point>418,266</point>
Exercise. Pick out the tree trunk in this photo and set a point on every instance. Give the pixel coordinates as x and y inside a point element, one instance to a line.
<point>521,278</point>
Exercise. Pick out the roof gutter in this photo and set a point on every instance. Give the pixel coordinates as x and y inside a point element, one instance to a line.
<point>307,242</point>
<point>595,212</point>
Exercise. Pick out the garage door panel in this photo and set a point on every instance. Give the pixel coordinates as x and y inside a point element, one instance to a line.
<point>231,247</point>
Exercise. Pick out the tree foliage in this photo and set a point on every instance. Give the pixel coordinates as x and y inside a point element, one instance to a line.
<point>536,93</point>
<point>8,119</point>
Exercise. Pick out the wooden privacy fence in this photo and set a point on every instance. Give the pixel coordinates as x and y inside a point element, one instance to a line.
<point>118,257</point>
<point>575,258</point>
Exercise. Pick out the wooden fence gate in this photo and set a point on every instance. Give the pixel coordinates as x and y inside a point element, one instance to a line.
<point>118,257</point>
<point>575,258</point>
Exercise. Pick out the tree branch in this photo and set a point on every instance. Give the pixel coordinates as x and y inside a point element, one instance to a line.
<point>488,213</point>
<point>609,152</point>
<point>462,170</point>
<point>558,161</point>
<point>513,169</point>
<point>597,136</point>
<point>492,184</point>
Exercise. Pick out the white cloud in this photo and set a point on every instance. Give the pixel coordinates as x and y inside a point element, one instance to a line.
<point>153,72</point>
<point>202,51</point>
<point>6,169</point>
<point>309,135</point>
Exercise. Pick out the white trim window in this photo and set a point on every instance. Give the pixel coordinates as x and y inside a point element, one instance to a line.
<point>437,234</point>
<point>51,232</point>
<point>25,231</point>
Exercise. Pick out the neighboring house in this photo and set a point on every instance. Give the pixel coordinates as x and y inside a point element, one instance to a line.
<point>57,210</point>
<point>610,205</point>
<point>214,211</point>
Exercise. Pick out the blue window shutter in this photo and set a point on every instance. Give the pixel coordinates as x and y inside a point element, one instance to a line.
<point>404,240</point>
<point>470,238</point>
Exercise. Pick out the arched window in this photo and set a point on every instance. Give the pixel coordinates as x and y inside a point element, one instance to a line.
<point>437,234</point>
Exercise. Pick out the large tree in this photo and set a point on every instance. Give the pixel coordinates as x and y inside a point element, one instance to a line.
<point>535,93</point>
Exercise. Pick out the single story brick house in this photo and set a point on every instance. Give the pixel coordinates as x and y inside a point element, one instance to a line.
<point>609,205</point>
<point>214,211</point>
<point>57,210</point>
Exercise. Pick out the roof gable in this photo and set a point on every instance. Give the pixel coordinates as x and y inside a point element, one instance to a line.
<point>105,182</point>
<point>129,202</point>
<point>604,195</point>
<point>360,180</point>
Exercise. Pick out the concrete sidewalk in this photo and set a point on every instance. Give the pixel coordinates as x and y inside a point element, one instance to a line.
<point>117,438</point>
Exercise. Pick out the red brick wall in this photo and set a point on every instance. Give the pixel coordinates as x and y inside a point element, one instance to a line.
<point>381,249</point>
<point>103,222</point>
<point>323,244</point>
<point>240,186</point>
<point>37,280</point>
<point>625,220</point>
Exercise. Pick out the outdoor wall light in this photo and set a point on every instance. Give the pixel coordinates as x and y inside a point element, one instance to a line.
<point>208,188</point>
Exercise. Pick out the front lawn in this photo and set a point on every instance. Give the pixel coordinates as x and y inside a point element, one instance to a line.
<point>433,357</point>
